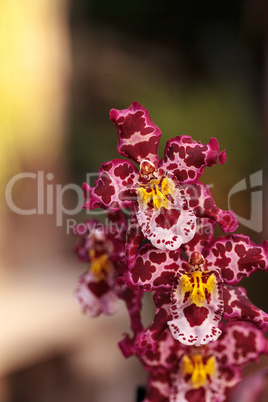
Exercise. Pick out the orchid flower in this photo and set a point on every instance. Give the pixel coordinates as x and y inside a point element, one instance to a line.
<point>96,290</point>
<point>165,195</point>
<point>205,329</point>
<point>180,373</point>
<point>194,294</point>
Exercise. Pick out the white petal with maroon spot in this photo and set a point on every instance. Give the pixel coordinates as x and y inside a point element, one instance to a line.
<point>91,303</point>
<point>183,391</point>
<point>193,325</point>
<point>168,228</point>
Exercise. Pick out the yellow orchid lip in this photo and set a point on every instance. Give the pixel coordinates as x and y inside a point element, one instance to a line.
<point>198,369</point>
<point>198,284</point>
<point>100,266</point>
<point>157,192</point>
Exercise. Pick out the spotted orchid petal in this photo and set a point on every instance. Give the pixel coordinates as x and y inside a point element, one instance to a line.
<point>200,376</point>
<point>237,306</point>
<point>117,225</point>
<point>197,307</point>
<point>218,380</point>
<point>239,343</point>
<point>158,387</point>
<point>95,296</point>
<point>138,136</point>
<point>215,391</point>
<point>165,355</point>
<point>203,205</point>
<point>203,236</point>
<point>236,256</point>
<point>208,373</point>
<point>114,188</point>
<point>154,269</point>
<point>134,238</point>
<point>170,226</point>
<point>187,159</point>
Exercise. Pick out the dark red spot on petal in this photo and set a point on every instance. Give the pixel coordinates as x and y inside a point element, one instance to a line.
<point>167,218</point>
<point>195,315</point>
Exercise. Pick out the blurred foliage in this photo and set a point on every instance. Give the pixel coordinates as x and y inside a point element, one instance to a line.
<point>158,19</point>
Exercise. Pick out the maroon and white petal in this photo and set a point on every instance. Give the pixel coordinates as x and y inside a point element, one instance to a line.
<point>158,387</point>
<point>214,387</point>
<point>203,205</point>
<point>194,324</point>
<point>217,386</point>
<point>183,391</point>
<point>95,296</point>
<point>228,377</point>
<point>236,256</point>
<point>239,343</point>
<point>168,228</point>
<point>203,236</point>
<point>187,159</point>
<point>134,238</point>
<point>148,339</point>
<point>166,356</point>
<point>154,269</point>
<point>116,225</point>
<point>237,306</point>
<point>114,188</point>
<point>138,136</point>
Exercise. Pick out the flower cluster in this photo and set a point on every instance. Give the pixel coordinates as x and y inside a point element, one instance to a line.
<point>205,329</point>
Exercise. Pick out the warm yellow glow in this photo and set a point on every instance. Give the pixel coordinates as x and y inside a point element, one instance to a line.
<point>100,266</point>
<point>197,369</point>
<point>33,74</point>
<point>194,283</point>
<point>156,191</point>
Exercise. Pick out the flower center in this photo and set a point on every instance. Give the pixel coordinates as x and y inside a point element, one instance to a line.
<point>198,369</point>
<point>199,285</point>
<point>156,192</point>
<point>100,266</point>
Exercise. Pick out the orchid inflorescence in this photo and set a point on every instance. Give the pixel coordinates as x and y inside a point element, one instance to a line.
<point>205,329</point>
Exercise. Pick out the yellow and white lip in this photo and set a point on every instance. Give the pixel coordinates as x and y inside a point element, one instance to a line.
<point>101,266</point>
<point>200,371</point>
<point>198,284</point>
<point>156,192</point>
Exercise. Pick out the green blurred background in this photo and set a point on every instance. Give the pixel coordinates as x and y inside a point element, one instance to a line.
<point>200,68</point>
